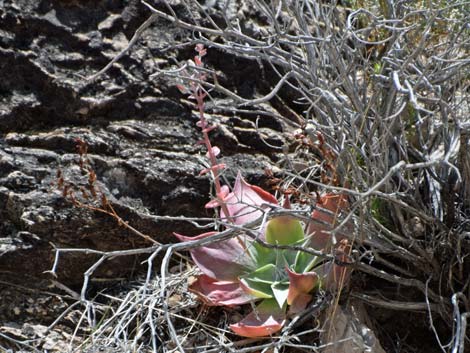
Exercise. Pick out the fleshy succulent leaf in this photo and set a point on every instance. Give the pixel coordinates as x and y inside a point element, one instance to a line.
<point>265,274</point>
<point>262,255</point>
<point>245,201</point>
<point>280,292</point>
<point>334,276</point>
<point>284,230</point>
<point>237,271</point>
<point>214,292</point>
<point>300,303</point>
<point>324,219</point>
<point>305,261</point>
<point>266,319</point>
<point>224,261</point>
<point>300,285</point>
<point>286,257</point>
<point>258,289</point>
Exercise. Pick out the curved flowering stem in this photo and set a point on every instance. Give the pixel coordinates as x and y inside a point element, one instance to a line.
<point>198,93</point>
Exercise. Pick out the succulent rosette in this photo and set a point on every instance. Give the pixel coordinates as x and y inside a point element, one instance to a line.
<point>241,270</point>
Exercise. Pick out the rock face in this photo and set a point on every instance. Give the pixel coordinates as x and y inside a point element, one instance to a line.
<point>142,141</point>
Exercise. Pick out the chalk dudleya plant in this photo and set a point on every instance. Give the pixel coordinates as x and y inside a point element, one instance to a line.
<point>268,265</point>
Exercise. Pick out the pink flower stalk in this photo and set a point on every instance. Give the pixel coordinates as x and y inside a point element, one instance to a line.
<point>198,93</point>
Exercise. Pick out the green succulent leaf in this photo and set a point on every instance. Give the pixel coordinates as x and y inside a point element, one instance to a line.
<point>259,289</point>
<point>258,282</point>
<point>286,258</point>
<point>304,261</point>
<point>284,230</point>
<point>266,274</point>
<point>280,292</point>
<point>261,254</point>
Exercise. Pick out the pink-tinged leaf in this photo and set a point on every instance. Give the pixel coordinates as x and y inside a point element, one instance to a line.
<point>213,168</point>
<point>300,285</point>
<point>200,49</point>
<point>224,261</point>
<point>182,89</point>
<point>215,151</point>
<point>245,201</point>
<point>209,129</point>
<point>266,319</point>
<point>300,303</point>
<point>325,219</point>
<point>212,203</point>
<point>214,292</point>
<point>224,191</point>
<point>284,230</point>
<point>202,124</point>
<point>335,276</point>
<point>184,238</point>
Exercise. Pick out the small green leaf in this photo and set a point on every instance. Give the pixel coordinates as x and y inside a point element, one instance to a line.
<point>377,68</point>
<point>284,230</point>
<point>280,292</point>
<point>266,274</point>
<point>304,261</point>
<point>261,254</point>
<point>256,288</point>
<point>288,258</point>
<point>258,282</point>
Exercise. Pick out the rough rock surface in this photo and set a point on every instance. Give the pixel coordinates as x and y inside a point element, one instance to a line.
<point>142,143</point>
